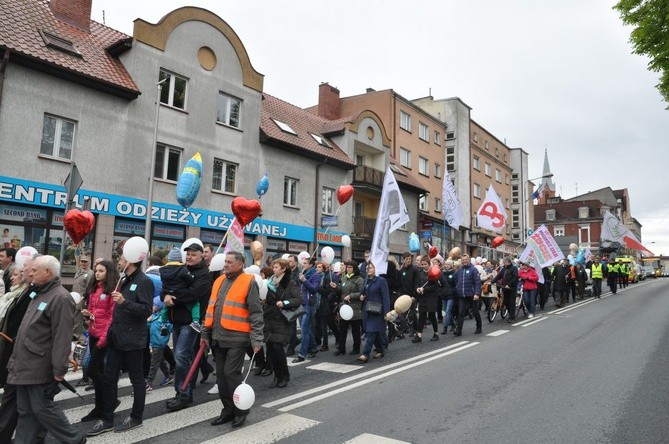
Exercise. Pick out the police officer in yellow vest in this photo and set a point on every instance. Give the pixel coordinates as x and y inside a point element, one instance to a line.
<point>597,274</point>
<point>613,269</point>
<point>623,274</point>
<point>234,320</point>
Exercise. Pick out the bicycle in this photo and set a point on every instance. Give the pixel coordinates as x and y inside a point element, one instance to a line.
<point>520,303</point>
<point>497,307</point>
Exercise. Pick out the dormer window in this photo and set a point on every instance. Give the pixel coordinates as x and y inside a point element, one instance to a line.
<point>583,212</point>
<point>550,214</point>
<point>59,43</point>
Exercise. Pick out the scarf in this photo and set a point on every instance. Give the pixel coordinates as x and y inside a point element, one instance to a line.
<point>7,298</point>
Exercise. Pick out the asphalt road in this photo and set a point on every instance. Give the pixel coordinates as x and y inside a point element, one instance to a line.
<point>592,372</point>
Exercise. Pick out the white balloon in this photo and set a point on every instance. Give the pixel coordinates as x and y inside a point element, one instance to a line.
<point>346,312</point>
<point>346,240</point>
<point>253,269</point>
<point>76,296</point>
<point>244,396</point>
<point>303,255</point>
<point>23,254</point>
<point>327,254</point>
<point>217,262</point>
<point>285,256</point>
<point>337,267</point>
<point>135,249</point>
<point>187,242</point>
<point>262,285</point>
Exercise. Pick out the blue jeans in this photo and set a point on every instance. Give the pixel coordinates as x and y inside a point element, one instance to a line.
<point>375,339</point>
<point>306,325</point>
<point>530,297</point>
<point>183,337</point>
<point>448,316</point>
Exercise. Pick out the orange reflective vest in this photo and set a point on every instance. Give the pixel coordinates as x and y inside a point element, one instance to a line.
<point>235,312</point>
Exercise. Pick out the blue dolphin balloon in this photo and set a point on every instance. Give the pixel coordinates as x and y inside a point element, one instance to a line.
<point>262,186</point>
<point>189,181</point>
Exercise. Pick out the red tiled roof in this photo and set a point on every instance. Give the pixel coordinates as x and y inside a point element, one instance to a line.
<point>566,210</point>
<point>21,22</point>
<point>303,123</point>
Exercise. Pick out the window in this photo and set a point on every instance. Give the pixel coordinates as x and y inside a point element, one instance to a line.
<point>328,198</point>
<point>228,110</point>
<point>486,145</point>
<point>476,163</point>
<point>583,212</point>
<point>284,127</point>
<point>497,152</point>
<point>550,214</point>
<point>168,161</point>
<point>422,203</point>
<point>358,208</point>
<point>476,137</point>
<point>437,138</point>
<point>173,92</point>
<point>423,166</point>
<point>405,121</point>
<point>488,169</point>
<point>225,176</point>
<point>558,230</point>
<point>504,157</point>
<point>437,171</point>
<point>506,179</point>
<point>290,191</point>
<point>437,205</point>
<point>450,158</point>
<point>423,132</point>
<point>405,157</point>
<point>320,140</point>
<point>450,136</point>
<point>498,175</point>
<point>59,43</point>
<point>584,234</point>
<point>477,190</point>
<point>57,137</point>
<point>514,176</point>
<point>359,160</point>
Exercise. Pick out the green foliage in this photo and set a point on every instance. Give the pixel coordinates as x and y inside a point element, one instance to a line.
<point>651,35</point>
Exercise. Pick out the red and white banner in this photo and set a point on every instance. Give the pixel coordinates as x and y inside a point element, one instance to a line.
<point>542,245</point>
<point>615,231</point>
<point>235,238</point>
<point>492,215</point>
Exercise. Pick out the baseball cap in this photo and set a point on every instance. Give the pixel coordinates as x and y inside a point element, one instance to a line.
<point>194,247</point>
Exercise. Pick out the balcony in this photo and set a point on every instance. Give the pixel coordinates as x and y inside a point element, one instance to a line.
<point>367,178</point>
<point>363,227</point>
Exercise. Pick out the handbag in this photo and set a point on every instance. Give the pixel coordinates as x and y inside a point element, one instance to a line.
<point>374,307</point>
<point>291,315</point>
<point>485,288</point>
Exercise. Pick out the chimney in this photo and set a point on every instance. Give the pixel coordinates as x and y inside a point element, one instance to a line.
<point>74,12</point>
<point>328,101</point>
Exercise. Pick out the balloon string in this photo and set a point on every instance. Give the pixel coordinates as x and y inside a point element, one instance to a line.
<point>250,365</point>
<point>118,284</point>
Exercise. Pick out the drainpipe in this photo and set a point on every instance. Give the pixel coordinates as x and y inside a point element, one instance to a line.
<point>317,198</point>
<point>3,67</point>
<point>418,225</point>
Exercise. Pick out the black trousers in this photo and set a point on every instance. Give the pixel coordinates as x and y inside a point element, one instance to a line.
<point>96,370</point>
<point>613,282</point>
<point>37,408</point>
<point>597,286</point>
<point>463,305</point>
<point>356,328</point>
<point>229,366</point>
<point>9,416</point>
<point>277,357</point>
<point>133,360</point>
<point>510,301</point>
<point>423,317</point>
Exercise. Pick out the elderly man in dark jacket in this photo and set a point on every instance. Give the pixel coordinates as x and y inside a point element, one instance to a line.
<point>509,282</point>
<point>468,290</point>
<point>184,337</point>
<point>561,283</point>
<point>41,356</point>
<point>127,337</point>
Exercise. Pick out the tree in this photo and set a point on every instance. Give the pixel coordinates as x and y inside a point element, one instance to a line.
<point>651,35</point>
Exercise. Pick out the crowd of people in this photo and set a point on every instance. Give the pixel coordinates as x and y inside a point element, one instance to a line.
<point>126,317</point>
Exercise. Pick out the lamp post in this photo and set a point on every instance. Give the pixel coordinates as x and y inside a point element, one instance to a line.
<point>152,166</point>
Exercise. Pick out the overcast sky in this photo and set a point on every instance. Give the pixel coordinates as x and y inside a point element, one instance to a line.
<point>556,75</point>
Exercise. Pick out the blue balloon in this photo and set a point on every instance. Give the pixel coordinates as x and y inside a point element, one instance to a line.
<point>580,257</point>
<point>189,181</point>
<point>414,243</point>
<point>262,186</point>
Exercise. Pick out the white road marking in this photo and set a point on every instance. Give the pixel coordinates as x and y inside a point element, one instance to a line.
<point>368,438</point>
<point>535,321</point>
<point>358,376</point>
<point>372,379</point>
<point>497,333</point>
<point>294,364</point>
<point>66,394</point>
<point>564,310</point>
<point>267,431</point>
<point>335,368</point>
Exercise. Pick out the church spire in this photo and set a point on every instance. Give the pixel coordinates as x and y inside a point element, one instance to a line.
<point>547,182</point>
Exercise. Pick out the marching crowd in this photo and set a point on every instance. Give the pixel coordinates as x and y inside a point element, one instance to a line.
<point>126,318</point>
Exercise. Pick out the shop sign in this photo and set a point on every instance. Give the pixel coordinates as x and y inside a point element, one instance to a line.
<point>276,245</point>
<point>20,214</point>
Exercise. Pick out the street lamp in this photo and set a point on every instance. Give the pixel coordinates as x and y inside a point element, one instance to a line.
<point>152,166</point>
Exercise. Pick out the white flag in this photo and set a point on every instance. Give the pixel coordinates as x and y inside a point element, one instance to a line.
<point>492,215</point>
<point>392,215</point>
<point>616,231</point>
<point>528,256</point>
<point>544,247</point>
<point>451,204</point>
<point>235,238</point>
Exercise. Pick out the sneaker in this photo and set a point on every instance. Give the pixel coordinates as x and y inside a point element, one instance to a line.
<point>179,403</point>
<point>128,424</point>
<point>149,389</point>
<point>195,326</point>
<point>435,337</point>
<point>530,316</point>
<point>416,339</point>
<point>167,381</point>
<point>100,427</point>
<point>213,390</point>
<point>82,383</point>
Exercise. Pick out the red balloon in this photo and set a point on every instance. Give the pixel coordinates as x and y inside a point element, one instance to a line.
<point>432,252</point>
<point>434,273</point>
<point>344,193</point>
<point>78,224</point>
<point>496,242</point>
<point>245,210</point>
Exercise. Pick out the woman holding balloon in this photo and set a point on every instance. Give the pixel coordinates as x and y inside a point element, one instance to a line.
<point>375,292</point>
<point>351,288</point>
<point>310,280</point>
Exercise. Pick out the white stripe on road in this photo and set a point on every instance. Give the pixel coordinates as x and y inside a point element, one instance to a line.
<point>267,431</point>
<point>524,321</point>
<point>535,321</point>
<point>66,394</point>
<point>581,304</point>
<point>497,333</point>
<point>372,379</point>
<point>368,438</point>
<point>358,376</point>
<point>335,368</point>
